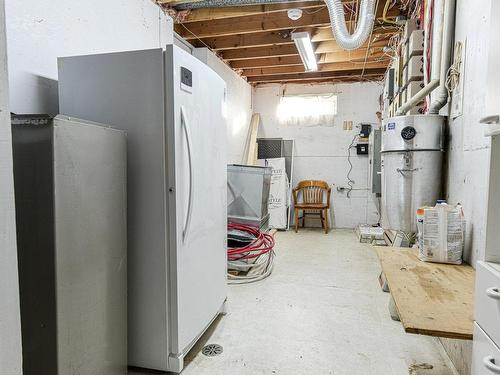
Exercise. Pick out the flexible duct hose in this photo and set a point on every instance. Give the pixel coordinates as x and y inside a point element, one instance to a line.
<point>363,29</point>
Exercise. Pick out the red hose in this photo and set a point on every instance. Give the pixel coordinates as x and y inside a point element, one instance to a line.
<point>262,244</point>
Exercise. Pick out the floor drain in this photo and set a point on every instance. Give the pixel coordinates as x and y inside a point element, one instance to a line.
<point>211,350</point>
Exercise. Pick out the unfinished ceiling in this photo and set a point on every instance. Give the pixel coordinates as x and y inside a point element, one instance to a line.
<point>255,39</point>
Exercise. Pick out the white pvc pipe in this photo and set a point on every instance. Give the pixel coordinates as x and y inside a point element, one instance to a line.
<point>417,98</point>
<point>443,23</point>
<point>441,96</point>
<point>363,30</point>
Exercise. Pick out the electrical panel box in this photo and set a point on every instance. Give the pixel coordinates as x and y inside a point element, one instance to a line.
<point>362,149</point>
<point>375,164</point>
<point>415,68</point>
<point>416,43</point>
<point>365,130</point>
<point>413,88</point>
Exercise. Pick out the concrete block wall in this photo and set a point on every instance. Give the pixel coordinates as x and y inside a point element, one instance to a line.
<point>321,151</point>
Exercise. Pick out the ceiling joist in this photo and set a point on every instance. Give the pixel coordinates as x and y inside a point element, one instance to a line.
<point>318,76</point>
<point>332,67</point>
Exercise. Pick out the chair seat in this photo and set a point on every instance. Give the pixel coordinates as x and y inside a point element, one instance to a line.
<point>311,206</point>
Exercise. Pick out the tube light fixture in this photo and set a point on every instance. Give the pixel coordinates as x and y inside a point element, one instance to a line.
<point>304,46</point>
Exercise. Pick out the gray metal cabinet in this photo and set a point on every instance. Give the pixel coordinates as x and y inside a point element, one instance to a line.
<point>70,190</point>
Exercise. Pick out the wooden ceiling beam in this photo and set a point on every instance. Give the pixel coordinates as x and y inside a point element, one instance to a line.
<point>251,24</point>
<point>256,23</point>
<point>257,52</point>
<point>334,67</point>
<point>290,50</point>
<point>211,14</point>
<point>266,38</point>
<point>332,46</point>
<point>262,39</point>
<point>333,57</point>
<point>266,61</point>
<point>354,74</point>
<point>321,81</point>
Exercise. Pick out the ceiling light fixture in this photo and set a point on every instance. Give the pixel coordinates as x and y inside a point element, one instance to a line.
<point>306,51</point>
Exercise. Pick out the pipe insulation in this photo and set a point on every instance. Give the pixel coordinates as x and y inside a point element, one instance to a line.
<point>364,27</point>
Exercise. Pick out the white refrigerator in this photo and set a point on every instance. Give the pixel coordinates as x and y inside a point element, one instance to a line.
<point>171,106</point>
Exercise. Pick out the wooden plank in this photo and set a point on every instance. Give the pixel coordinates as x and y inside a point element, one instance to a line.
<point>256,52</point>
<point>250,154</point>
<point>267,61</point>
<point>255,23</point>
<point>250,24</point>
<point>341,66</point>
<point>332,46</point>
<point>432,299</point>
<point>312,76</point>
<point>333,57</point>
<point>325,33</point>
<point>210,14</point>
<point>260,39</point>
<point>290,50</point>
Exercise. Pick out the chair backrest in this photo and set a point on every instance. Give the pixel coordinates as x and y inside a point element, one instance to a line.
<point>312,191</point>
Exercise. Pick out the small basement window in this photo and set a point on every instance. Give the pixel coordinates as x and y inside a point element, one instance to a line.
<point>307,110</point>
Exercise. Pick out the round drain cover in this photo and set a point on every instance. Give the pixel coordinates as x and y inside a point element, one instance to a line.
<point>211,350</point>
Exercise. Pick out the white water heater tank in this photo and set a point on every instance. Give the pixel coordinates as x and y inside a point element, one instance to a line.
<point>412,157</point>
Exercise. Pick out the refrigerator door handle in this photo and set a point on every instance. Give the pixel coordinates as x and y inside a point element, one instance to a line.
<point>185,126</point>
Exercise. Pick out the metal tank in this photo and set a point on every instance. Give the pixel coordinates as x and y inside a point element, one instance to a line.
<point>412,157</point>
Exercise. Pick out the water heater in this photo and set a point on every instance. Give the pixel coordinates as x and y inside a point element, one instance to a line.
<point>412,157</point>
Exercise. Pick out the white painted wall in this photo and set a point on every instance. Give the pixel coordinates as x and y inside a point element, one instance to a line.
<point>321,151</point>
<point>39,31</point>
<point>238,104</point>
<point>469,149</point>
<point>10,326</point>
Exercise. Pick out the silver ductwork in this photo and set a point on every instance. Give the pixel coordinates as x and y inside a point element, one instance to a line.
<point>363,30</point>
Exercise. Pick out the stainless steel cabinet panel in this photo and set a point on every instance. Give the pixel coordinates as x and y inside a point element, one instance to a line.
<point>71,198</point>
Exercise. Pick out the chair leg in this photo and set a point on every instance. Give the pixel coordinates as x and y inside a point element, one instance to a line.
<point>303,219</point>
<point>326,221</point>
<point>296,220</point>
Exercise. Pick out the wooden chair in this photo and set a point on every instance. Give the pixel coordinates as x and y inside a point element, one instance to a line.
<point>313,203</point>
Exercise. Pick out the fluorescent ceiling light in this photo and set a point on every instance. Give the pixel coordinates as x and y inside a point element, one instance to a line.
<point>304,46</point>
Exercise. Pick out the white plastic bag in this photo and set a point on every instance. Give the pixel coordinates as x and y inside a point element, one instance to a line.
<point>441,233</point>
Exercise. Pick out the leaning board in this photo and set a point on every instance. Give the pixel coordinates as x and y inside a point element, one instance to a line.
<point>432,299</point>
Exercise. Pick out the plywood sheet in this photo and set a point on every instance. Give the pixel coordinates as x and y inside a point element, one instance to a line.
<point>432,299</point>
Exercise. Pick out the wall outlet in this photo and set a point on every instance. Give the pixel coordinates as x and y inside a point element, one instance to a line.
<point>347,125</point>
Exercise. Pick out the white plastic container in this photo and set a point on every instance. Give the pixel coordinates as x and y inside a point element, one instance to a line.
<point>441,233</point>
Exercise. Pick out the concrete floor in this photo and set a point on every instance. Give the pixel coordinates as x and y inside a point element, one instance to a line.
<point>320,312</point>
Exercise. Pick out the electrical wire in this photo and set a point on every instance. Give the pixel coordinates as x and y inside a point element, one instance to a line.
<point>255,258</point>
<point>350,182</point>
